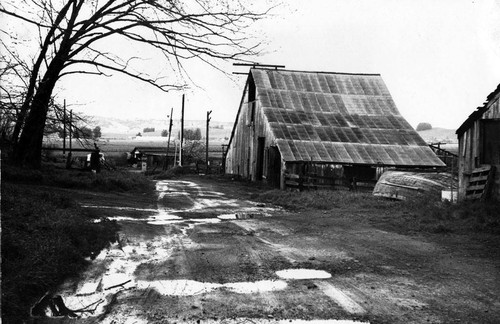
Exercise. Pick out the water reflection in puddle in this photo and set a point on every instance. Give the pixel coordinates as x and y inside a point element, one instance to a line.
<point>247,215</point>
<point>182,287</point>
<point>303,274</point>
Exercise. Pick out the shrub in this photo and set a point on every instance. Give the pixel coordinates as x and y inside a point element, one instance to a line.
<point>423,126</point>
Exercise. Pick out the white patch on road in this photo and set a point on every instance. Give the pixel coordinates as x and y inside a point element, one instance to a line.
<point>179,287</point>
<point>340,298</point>
<point>227,216</point>
<point>245,320</point>
<point>328,321</point>
<point>303,274</point>
<point>183,287</point>
<point>122,208</point>
<point>256,287</point>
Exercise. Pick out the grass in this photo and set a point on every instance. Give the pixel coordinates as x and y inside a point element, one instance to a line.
<point>419,214</point>
<point>104,181</point>
<point>46,236</point>
<point>172,173</point>
<point>322,199</point>
<point>45,239</point>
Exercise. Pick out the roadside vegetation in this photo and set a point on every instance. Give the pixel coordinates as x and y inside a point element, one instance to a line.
<point>46,235</point>
<point>419,214</point>
<point>51,175</point>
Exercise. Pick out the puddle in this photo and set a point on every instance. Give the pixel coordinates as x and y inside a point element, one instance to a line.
<point>178,287</point>
<point>303,274</point>
<point>227,216</point>
<point>197,203</point>
<point>121,208</point>
<point>185,220</point>
<point>183,287</point>
<point>256,287</point>
<point>92,296</point>
<point>248,215</point>
<point>318,321</point>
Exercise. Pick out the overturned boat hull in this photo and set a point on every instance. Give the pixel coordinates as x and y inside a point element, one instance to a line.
<point>405,184</point>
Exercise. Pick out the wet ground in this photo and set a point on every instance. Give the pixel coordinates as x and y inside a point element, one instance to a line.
<point>206,253</point>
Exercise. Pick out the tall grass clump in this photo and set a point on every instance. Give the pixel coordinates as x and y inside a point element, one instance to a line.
<point>171,173</point>
<point>322,199</point>
<point>45,239</point>
<point>443,216</point>
<point>121,181</point>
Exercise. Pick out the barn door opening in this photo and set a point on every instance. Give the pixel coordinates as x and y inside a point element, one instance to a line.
<point>260,158</point>
<point>274,166</point>
<point>491,142</point>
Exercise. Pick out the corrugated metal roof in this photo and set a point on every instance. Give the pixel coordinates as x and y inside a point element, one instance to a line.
<point>338,118</point>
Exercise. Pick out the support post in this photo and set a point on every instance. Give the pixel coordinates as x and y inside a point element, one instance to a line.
<point>168,141</point>
<point>206,146</point>
<point>282,175</point>
<point>64,128</point>
<point>70,129</point>
<point>182,132</point>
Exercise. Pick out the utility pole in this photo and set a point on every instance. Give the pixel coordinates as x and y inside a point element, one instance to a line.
<point>182,132</point>
<point>64,128</point>
<point>168,141</point>
<point>68,161</point>
<point>206,148</point>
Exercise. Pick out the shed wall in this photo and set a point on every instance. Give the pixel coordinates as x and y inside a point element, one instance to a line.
<point>471,145</point>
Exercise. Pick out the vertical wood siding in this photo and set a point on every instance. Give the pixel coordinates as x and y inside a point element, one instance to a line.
<point>470,146</point>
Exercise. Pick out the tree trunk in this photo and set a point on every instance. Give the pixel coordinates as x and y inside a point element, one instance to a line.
<point>28,151</point>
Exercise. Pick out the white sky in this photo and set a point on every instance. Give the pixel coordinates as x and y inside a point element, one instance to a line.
<point>439,59</point>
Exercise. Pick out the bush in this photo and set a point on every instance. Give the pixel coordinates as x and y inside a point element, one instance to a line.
<point>45,239</point>
<point>423,126</point>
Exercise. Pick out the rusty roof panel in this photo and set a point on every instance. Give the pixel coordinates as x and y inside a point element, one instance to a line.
<point>339,118</point>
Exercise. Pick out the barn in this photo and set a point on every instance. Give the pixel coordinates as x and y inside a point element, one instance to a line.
<point>479,151</point>
<point>298,128</point>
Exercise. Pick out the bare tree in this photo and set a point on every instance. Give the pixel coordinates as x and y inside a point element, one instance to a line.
<point>72,36</point>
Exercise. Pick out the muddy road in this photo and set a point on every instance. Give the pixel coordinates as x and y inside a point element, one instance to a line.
<point>207,253</point>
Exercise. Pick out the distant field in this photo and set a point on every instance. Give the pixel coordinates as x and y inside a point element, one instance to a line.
<point>439,135</point>
<point>117,147</point>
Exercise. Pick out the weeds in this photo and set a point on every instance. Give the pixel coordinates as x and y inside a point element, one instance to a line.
<point>45,239</point>
<point>418,214</point>
<point>322,199</point>
<point>444,217</point>
<point>172,173</point>
<point>105,181</point>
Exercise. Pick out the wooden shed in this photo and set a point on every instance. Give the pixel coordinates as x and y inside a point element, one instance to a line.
<point>297,128</point>
<point>479,151</point>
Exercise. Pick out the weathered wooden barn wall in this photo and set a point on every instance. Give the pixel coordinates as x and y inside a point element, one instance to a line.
<point>249,153</point>
<point>479,143</point>
<point>237,155</point>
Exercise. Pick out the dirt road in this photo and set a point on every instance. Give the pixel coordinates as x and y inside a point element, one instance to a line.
<point>208,254</point>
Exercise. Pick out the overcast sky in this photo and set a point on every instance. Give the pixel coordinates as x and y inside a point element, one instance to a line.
<point>439,59</point>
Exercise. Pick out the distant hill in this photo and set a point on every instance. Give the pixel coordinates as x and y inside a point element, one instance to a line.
<point>437,134</point>
<point>116,128</point>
